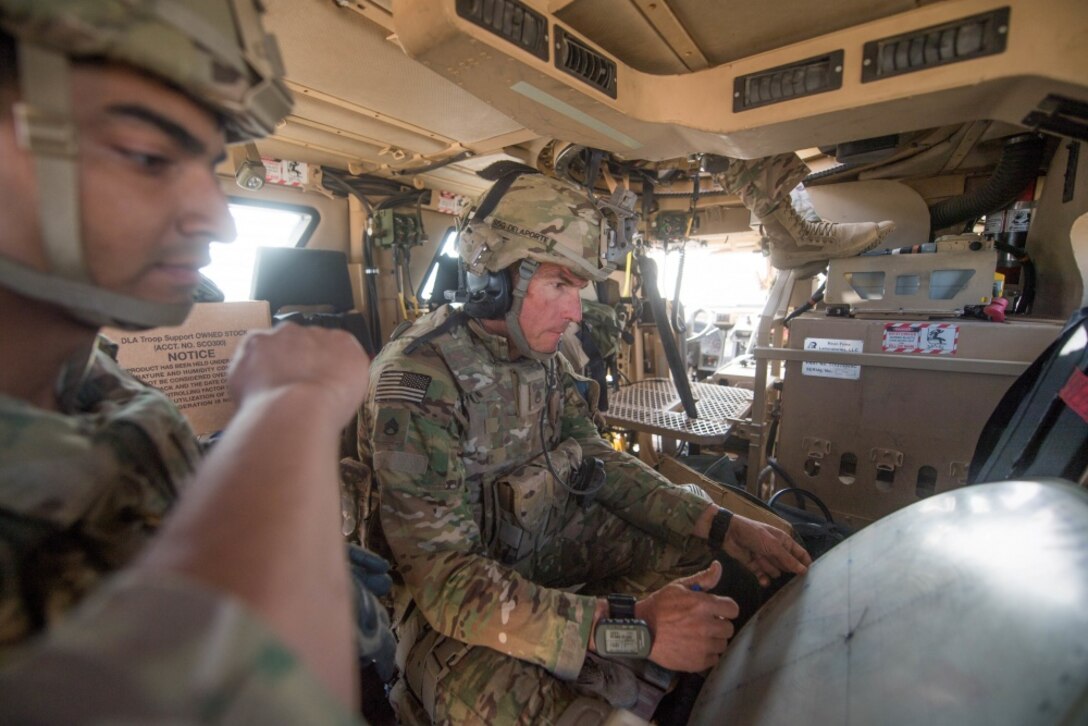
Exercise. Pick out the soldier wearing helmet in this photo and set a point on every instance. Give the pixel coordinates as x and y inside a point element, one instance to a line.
<point>497,498</point>
<point>113,114</point>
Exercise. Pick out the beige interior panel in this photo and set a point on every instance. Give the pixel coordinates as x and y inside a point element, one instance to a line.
<point>349,123</point>
<point>363,67</point>
<point>618,27</point>
<point>723,30</point>
<point>659,117</point>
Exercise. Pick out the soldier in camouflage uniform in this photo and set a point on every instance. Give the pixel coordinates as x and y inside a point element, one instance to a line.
<point>476,433</point>
<point>771,189</point>
<point>113,114</point>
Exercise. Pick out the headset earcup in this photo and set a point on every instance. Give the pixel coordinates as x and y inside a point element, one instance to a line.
<point>489,296</point>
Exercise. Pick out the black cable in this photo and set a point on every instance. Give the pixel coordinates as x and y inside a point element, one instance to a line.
<point>773,463</point>
<point>803,493</point>
<point>772,434</point>
<point>804,308</point>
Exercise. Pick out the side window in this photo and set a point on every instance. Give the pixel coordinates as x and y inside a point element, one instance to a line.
<point>260,224</point>
<point>441,273</point>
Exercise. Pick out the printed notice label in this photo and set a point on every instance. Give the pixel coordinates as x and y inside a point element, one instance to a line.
<point>832,370</point>
<point>925,338</point>
<point>189,363</point>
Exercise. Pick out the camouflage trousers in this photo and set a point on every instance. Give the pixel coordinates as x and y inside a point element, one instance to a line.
<point>762,184</point>
<point>478,685</point>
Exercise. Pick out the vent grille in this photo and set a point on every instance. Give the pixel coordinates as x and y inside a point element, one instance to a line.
<point>784,83</point>
<point>511,20</point>
<point>938,45</point>
<point>581,61</point>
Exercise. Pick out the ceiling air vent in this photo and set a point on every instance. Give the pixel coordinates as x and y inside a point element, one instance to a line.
<point>784,83</point>
<point>511,20</point>
<point>581,61</point>
<point>938,45</point>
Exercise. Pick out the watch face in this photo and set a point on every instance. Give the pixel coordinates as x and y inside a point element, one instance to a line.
<point>621,641</point>
<point>630,640</point>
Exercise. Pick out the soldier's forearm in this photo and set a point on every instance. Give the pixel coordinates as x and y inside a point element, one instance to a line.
<point>273,473</point>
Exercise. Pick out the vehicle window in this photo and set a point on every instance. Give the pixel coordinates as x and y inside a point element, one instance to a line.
<point>714,279</point>
<point>259,225</point>
<point>446,251</point>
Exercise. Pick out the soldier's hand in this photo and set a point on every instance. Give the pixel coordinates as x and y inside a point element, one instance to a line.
<point>691,627</point>
<point>369,574</point>
<point>331,363</point>
<point>765,550</point>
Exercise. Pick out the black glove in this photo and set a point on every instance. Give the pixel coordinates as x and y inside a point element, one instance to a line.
<point>370,574</point>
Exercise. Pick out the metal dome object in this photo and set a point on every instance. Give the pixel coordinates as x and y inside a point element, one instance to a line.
<point>966,608</point>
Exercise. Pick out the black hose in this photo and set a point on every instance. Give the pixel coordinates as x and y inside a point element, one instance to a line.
<point>802,493</point>
<point>808,305</point>
<point>1018,166</point>
<point>773,464</point>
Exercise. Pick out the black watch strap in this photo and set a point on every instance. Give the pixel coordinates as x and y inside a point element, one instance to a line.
<point>621,607</point>
<point>718,527</point>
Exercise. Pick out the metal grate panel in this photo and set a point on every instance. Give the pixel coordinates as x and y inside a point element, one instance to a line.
<point>652,405</point>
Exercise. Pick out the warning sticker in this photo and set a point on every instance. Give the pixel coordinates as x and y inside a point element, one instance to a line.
<point>189,363</point>
<point>832,370</point>
<point>925,338</point>
<point>285,173</point>
<point>450,203</point>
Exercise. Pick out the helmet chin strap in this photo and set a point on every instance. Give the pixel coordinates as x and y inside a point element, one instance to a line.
<point>90,304</point>
<point>513,324</point>
<point>44,126</point>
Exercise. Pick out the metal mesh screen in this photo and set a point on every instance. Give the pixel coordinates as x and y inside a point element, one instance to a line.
<point>653,405</point>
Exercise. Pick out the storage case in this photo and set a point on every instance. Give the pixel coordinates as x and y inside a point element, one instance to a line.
<point>877,414</point>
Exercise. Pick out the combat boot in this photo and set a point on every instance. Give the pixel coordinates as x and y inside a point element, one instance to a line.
<point>794,241</point>
<point>769,188</point>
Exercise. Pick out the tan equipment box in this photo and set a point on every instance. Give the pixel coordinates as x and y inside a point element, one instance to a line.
<point>189,362</point>
<point>878,414</point>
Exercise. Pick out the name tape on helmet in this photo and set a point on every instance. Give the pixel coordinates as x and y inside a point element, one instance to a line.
<point>514,229</point>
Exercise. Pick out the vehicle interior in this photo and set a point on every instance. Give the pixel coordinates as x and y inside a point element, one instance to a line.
<point>834,394</point>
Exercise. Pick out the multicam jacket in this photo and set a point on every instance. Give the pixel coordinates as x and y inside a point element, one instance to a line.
<point>81,491</point>
<point>452,430</point>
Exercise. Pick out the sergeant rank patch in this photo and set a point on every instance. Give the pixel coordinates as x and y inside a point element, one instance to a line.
<point>402,386</point>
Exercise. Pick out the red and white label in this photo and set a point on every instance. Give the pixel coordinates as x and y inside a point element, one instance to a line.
<point>924,338</point>
<point>285,173</point>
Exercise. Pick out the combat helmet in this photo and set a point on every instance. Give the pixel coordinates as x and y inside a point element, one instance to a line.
<point>216,51</point>
<point>527,218</point>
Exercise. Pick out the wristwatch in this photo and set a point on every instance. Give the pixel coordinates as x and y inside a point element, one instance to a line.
<point>621,634</point>
<point>718,527</point>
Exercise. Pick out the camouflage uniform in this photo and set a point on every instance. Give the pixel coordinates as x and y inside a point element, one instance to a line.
<point>163,650</point>
<point>487,543</point>
<point>764,183</point>
<point>793,234</point>
<point>83,491</point>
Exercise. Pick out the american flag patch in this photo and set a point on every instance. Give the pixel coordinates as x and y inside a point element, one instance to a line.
<point>402,386</point>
